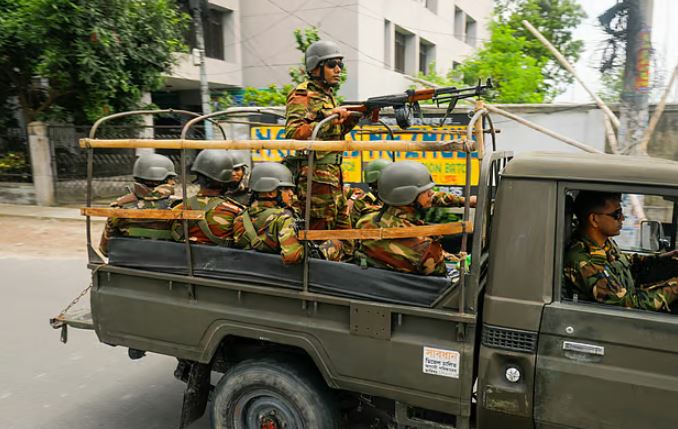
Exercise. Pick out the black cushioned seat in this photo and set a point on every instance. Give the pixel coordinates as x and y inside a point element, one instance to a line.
<point>332,278</point>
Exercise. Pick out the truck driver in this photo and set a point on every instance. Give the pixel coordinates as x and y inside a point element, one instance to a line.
<point>405,189</point>
<point>595,268</point>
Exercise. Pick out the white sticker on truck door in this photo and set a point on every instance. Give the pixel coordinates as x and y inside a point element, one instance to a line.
<point>441,362</point>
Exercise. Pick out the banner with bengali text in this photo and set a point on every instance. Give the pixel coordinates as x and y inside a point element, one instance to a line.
<point>447,168</point>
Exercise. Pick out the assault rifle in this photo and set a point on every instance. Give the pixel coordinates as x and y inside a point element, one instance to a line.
<point>406,105</point>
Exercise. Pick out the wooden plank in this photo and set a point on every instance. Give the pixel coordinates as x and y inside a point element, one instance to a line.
<point>325,146</point>
<point>452,228</point>
<point>142,213</point>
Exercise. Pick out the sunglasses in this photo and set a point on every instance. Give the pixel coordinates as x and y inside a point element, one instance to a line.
<point>616,215</point>
<point>334,63</point>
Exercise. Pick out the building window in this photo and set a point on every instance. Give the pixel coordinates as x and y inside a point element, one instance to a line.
<point>459,26</point>
<point>426,55</point>
<point>213,26</point>
<point>431,5</point>
<point>399,54</point>
<point>470,31</point>
<point>388,43</point>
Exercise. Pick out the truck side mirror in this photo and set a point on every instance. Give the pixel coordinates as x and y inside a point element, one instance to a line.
<point>650,235</point>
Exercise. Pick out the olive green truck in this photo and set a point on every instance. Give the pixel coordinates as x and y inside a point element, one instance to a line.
<point>504,346</point>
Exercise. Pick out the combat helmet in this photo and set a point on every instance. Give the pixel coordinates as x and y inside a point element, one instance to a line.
<point>214,163</point>
<point>320,51</point>
<point>372,170</point>
<point>269,176</point>
<point>401,182</point>
<point>153,167</point>
<point>240,159</point>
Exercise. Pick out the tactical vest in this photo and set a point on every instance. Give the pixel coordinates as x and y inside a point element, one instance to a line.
<point>251,234</point>
<point>157,229</point>
<point>193,203</point>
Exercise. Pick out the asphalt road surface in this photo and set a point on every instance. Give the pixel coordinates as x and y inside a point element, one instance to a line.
<point>83,384</point>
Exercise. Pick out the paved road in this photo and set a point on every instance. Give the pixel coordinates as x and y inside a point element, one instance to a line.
<point>80,385</point>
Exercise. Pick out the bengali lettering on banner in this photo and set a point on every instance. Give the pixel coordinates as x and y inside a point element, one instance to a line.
<point>447,168</point>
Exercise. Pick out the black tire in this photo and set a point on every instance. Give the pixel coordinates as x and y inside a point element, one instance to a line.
<point>270,393</point>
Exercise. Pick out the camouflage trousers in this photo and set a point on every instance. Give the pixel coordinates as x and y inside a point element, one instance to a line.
<point>329,208</point>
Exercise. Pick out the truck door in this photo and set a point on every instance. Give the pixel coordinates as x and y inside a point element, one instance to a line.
<point>601,366</point>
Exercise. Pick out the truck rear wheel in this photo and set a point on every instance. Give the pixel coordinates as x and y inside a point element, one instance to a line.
<point>272,394</point>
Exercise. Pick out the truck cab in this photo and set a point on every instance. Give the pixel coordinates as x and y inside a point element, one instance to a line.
<point>548,359</point>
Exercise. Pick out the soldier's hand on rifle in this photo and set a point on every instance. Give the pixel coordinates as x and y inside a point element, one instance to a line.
<point>343,113</point>
<point>473,200</point>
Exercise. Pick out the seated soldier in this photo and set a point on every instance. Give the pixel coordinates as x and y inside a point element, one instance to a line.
<point>213,169</point>
<point>405,189</point>
<point>268,224</point>
<point>369,202</point>
<point>238,189</point>
<point>153,189</point>
<point>595,268</point>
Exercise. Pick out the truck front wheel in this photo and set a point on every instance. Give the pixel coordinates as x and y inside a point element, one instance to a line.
<point>272,394</point>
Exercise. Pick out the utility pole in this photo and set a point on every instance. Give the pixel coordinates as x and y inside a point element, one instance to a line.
<point>635,95</point>
<point>196,7</point>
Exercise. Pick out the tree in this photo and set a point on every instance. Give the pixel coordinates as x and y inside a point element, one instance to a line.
<point>517,77</point>
<point>555,19</point>
<point>523,70</point>
<point>82,59</point>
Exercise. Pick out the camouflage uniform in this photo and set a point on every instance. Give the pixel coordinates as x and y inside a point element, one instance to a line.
<point>307,105</point>
<point>140,197</point>
<point>217,228</point>
<point>241,194</point>
<point>605,274</point>
<point>274,229</point>
<point>419,255</point>
<point>369,203</point>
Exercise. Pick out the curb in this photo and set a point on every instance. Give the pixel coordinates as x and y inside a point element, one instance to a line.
<point>40,212</point>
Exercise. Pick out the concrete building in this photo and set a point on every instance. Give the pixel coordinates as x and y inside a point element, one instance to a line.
<point>222,34</point>
<point>251,43</point>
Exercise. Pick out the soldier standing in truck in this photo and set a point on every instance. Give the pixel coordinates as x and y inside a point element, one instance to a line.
<point>238,189</point>
<point>597,270</point>
<point>308,104</point>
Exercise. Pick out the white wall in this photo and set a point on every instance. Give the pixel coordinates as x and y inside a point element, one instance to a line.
<point>268,47</point>
<point>583,123</point>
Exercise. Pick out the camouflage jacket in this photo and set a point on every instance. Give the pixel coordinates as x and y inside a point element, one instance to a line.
<point>369,203</point>
<point>217,228</point>
<point>140,197</point>
<point>308,104</point>
<point>274,229</point>
<point>605,274</point>
<point>419,255</point>
<point>241,194</point>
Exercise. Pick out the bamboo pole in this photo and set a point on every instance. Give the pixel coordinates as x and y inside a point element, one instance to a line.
<point>452,228</point>
<point>541,129</point>
<point>656,116</point>
<point>611,136</point>
<point>563,61</point>
<point>318,145</point>
<point>142,213</point>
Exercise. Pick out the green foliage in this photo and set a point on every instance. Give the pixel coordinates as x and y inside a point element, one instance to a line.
<point>555,19</point>
<point>275,95</point>
<point>94,57</point>
<point>518,78</point>
<point>612,85</point>
<point>14,163</point>
<point>522,69</point>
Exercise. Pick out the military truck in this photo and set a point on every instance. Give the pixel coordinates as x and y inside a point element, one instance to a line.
<point>329,345</point>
